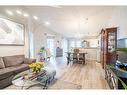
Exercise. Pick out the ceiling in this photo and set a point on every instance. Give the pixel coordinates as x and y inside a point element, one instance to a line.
<point>72,21</point>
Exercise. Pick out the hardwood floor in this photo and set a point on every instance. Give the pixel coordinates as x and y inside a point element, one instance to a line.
<point>90,76</point>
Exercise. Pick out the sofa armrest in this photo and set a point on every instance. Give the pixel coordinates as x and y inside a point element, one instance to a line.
<point>29,60</point>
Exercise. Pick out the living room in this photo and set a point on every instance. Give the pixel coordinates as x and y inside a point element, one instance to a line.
<point>59,31</point>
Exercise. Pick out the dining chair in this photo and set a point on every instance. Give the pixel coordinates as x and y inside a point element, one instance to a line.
<point>81,58</point>
<point>75,57</point>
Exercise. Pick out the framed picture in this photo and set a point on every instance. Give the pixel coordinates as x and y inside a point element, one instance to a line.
<point>11,33</point>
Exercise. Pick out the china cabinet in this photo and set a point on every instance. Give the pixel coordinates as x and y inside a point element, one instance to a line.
<point>108,43</point>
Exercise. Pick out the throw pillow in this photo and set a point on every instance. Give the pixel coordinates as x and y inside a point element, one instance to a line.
<point>1,63</point>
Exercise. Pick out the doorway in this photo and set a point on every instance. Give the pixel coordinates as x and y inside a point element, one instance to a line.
<point>64,46</point>
<point>51,46</point>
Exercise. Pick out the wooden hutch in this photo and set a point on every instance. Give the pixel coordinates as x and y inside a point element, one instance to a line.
<point>108,42</point>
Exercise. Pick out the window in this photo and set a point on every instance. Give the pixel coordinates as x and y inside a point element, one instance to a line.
<point>31,51</point>
<point>50,45</point>
<point>74,44</point>
<point>78,43</point>
<point>64,46</point>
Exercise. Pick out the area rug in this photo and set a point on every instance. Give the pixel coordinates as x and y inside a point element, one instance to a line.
<point>56,84</point>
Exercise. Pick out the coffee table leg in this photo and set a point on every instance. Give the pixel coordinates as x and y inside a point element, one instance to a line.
<point>46,84</point>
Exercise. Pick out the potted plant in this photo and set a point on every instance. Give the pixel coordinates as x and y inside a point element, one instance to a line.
<point>121,49</point>
<point>42,54</point>
<point>121,70</point>
<point>123,84</point>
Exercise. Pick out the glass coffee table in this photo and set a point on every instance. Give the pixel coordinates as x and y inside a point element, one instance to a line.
<point>28,79</point>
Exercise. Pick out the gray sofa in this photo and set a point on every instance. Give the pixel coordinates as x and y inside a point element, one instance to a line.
<point>10,66</point>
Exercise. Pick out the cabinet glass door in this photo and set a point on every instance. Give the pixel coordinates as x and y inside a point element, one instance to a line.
<point>111,41</point>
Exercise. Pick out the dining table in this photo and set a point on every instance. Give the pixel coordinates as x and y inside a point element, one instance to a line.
<point>70,56</point>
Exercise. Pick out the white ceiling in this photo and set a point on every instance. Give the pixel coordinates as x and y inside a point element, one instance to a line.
<point>72,21</point>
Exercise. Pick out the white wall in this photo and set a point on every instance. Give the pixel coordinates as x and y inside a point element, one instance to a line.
<point>15,50</point>
<point>40,38</point>
<point>119,19</point>
<point>91,53</point>
<point>93,42</point>
<point>92,50</point>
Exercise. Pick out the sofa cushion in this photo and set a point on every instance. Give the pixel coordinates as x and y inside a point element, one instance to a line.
<point>13,60</point>
<point>20,68</point>
<point>6,72</point>
<point>29,61</point>
<point>6,82</point>
<point>1,63</point>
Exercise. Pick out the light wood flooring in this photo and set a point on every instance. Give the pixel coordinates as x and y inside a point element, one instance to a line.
<point>90,76</point>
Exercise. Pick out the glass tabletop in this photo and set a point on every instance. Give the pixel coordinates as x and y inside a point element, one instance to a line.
<point>26,79</point>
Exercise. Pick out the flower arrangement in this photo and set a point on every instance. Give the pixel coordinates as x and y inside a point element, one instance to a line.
<point>36,67</point>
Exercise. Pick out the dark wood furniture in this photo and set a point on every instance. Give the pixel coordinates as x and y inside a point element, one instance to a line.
<point>79,57</point>
<point>108,42</point>
<point>102,47</point>
<point>74,57</point>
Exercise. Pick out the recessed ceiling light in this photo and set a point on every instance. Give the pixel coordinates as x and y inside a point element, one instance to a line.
<point>18,12</point>
<point>35,17</point>
<point>9,12</point>
<point>25,15</point>
<point>47,23</point>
